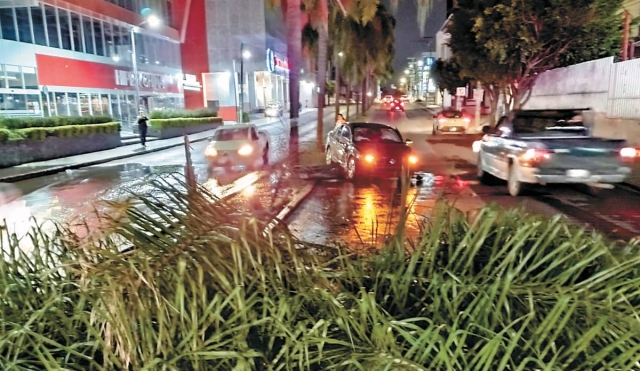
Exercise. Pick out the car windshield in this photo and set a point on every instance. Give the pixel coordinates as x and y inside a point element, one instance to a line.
<point>231,134</point>
<point>452,114</point>
<point>373,134</point>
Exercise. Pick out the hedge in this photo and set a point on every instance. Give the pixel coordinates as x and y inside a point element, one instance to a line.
<point>183,122</point>
<point>14,123</point>
<point>4,135</point>
<point>65,131</point>
<point>174,114</point>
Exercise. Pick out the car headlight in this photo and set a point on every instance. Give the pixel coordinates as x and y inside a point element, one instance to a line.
<point>245,150</point>
<point>413,159</point>
<point>210,152</point>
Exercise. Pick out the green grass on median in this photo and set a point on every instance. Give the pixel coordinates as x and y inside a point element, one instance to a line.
<point>205,289</point>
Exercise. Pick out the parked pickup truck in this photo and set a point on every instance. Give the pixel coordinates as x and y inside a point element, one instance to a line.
<point>551,146</point>
<point>238,147</point>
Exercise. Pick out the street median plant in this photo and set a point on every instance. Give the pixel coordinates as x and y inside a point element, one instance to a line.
<point>175,114</point>
<point>183,122</point>
<point>15,123</point>
<point>201,290</point>
<point>65,131</point>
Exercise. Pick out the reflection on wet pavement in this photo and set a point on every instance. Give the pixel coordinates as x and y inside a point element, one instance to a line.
<point>363,215</point>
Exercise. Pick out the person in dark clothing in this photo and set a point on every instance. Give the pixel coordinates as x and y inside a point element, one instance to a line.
<point>142,129</point>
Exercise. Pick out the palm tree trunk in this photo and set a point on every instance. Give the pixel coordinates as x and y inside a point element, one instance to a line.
<point>294,55</point>
<point>337,91</point>
<point>323,36</point>
<point>348,97</point>
<point>363,95</point>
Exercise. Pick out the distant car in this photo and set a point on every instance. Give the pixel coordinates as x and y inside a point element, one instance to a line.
<point>396,105</point>
<point>369,150</point>
<point>387,99</point>
<point>274,109</point>
<point>237,148</point>
<point>451,121</point>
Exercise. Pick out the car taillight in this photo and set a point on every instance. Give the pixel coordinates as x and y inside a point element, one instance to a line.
<point>629,154</point>
<point>442,120</point>
<point>533,157</point>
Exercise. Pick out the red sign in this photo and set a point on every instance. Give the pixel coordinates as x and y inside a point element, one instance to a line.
<point>73,73</point>
<point>281,63</point>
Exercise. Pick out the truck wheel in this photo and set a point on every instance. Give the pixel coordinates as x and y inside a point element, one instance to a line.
<point>513,184</point>
<point>484,177</point>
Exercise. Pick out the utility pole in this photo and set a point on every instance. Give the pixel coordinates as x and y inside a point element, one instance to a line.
<point>241,83</point>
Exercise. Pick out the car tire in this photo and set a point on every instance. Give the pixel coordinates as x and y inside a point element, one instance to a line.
<point>350,170</point>
<point>514,186</point>
<point>484,177</point>
<point>328,159</point>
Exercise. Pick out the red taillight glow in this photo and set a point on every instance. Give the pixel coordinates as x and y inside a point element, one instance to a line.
<point>629,153</point>
<point>369,158</point>
<point>534,157</point>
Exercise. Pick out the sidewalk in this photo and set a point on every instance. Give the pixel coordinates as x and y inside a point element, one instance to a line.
<point>44,168</point>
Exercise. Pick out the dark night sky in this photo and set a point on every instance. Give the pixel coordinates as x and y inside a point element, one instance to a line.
<point>408,39</point>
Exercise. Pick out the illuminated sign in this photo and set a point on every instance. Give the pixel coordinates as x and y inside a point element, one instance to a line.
<point>429,61</point>
<point>146,80</point>
<point>276,64</point>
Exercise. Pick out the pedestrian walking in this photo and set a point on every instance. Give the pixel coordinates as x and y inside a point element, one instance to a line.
<point>341,120</point>
<point>142,128</point>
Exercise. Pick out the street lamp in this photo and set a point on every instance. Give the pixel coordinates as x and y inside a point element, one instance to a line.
<point>152,21</point>
<point>406,72</point>
<point>403,80</point>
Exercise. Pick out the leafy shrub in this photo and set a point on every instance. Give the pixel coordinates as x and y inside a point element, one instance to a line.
<point>246,118</point>
<point>4,135</point>
<point>68,131</point>
<point>173,114</point>
<point>15,123</point>
<point>183,122</point>
<point>506,291</point>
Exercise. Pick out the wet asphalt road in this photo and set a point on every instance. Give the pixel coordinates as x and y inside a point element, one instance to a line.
<point>76,194</point>
<point>362,214</point>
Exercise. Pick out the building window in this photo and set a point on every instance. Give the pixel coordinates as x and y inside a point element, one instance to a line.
<point>39,26</point>
<point>33,103</point>
<point>24,25</point>
<point>14,77</point>
<point>88,35</point>
<point>8,24</point>
<point>108,39</point>
<point>61,102</point>
<point>115,107</point>
<point>65,29</point>
<point>140,48</point>
<point>30,78</point>
<point>99,40</point>
<point>74,107</point>
<point>52,26</point>
<point>76,33</point>
<point>104,101</point>
<point>85,109</point>
<point>17,102</point>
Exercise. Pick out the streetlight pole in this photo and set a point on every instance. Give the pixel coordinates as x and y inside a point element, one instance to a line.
<point>241,82</point>
<point>136,75</point>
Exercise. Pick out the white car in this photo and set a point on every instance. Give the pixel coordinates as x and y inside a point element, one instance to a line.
<point>451,121</point>
<point>238,148</point>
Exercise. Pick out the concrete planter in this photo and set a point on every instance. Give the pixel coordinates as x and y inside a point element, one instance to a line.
<point>177,132</point>
<point>22,152</point>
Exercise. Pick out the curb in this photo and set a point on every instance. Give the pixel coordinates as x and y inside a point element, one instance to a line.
<point>59,169</point>
<point>302,195</point>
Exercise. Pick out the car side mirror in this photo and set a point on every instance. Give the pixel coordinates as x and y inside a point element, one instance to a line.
<point>408,142</point>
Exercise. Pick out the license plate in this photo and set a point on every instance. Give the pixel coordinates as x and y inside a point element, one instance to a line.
<point>575,173</point>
